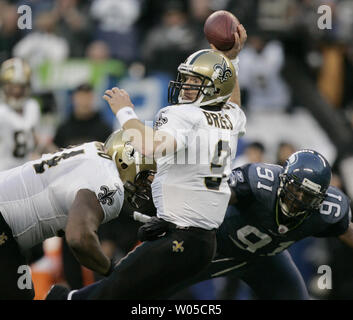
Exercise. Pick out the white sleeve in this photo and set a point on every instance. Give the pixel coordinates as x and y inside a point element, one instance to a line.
<point>111,198</point>
<point>104,181</point>
<point>174,121</point>
<point>242,123</point>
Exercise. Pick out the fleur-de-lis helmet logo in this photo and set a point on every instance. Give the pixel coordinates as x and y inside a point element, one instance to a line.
<point>224,72</point>
<point>162,119</point>
<point>128,153</point>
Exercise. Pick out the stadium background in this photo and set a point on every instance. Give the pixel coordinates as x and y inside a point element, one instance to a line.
<point>296,82</point>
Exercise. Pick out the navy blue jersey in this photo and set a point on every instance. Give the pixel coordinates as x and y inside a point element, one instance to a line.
<point>250,228</point>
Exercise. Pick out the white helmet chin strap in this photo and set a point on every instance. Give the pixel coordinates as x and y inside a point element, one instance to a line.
<point>284,208</point>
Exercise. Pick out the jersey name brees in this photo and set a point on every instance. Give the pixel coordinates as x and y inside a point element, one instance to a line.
<point>216,119</point>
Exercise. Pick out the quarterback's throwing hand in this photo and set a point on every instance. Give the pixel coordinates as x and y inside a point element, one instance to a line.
<point>240,39</point>
<point>117,99</point>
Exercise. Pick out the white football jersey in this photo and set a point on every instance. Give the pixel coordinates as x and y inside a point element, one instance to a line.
<point>190,187</point>
<point>16,133</point>
<point>35,198</point>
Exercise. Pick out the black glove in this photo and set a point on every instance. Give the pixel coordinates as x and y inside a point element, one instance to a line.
<point>139,196</point>
<point>153,229</point>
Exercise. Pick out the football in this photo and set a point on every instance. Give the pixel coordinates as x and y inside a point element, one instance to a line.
<point>219,29</point>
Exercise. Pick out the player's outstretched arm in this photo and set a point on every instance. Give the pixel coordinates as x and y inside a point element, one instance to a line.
<point>84,218</point>
<point>150,142</point>
<point>240,39</point>
<point>347,237</point>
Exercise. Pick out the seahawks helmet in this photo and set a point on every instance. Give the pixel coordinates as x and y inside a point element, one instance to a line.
<point>15,75</point>
<point>134,169</point>
<point>217,76</point>
<point>303,183</point>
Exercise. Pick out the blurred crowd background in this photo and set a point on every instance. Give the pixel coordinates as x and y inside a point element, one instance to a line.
<point>297,91</point>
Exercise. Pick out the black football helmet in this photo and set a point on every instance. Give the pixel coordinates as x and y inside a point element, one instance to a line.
<point>303,183</point>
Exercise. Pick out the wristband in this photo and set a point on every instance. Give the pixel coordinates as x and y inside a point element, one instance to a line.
<point>235,63</point>
<point>125,114</point>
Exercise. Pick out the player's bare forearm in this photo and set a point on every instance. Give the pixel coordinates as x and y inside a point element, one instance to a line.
<point>235,97</point>
<point>141,136</point>
<point>84,218</point>
<point>88,252</point>
<point>150,142</point>
<point>144,139</point>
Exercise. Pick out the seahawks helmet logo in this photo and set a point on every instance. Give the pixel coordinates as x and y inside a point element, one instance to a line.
<point>224,72</point>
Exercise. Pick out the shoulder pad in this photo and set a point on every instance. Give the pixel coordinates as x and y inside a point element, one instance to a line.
<point>183,111</point>
<point>264,180</point>
<point>181,107</point>
<point>335,207</point>
<point>238,175</point>
<point>261,179</point>
<point>230,105</point>
<point>265,173</point>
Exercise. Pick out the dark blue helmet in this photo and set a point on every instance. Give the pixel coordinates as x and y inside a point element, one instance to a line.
<point>304,182</point>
